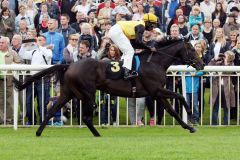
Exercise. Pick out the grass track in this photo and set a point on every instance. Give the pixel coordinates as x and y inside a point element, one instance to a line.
<point>168,143</point>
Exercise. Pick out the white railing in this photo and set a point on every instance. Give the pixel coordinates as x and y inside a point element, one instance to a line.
<point>173,69</point>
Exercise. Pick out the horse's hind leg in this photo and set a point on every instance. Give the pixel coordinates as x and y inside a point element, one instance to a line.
<point>87,98</point>
<point>173,113</point>
<point>62,100</point>
<point>87,112</point>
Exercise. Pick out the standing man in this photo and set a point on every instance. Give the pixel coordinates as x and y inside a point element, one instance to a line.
<point>39,56</point>
<point>65,29</point>
<point>7,57</point>
<point>55,42</point>
<point>66,9</point>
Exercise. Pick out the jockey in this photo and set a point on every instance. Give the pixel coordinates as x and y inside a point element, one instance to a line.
<point>124,31</point>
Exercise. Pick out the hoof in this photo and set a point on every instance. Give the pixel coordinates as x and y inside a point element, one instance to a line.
<point>192,130</point>
<point>97,135</point>
<point>38,134</point>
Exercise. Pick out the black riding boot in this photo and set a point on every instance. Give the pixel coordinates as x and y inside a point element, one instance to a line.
<point>128,74</point>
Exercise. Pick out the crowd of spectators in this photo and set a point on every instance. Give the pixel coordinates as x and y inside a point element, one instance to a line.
<point>55,32</point>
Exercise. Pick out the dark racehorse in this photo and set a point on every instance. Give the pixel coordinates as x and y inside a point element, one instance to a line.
<point>82,78</point>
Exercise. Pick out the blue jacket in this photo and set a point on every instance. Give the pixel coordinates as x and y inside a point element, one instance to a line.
<point>195,83</point>
<point>58,41</point>
<point>193,20</point>
<point>172,8</point>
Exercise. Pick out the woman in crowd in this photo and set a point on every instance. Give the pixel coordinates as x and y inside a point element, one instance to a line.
<point>219,45</point>
<point>220,14</point>
<point>207,30</point>
<point>7,23</point>
<point>222,87</point>
<point>71,51</point>
<point>139,12</point>
<point>183,29</point>
<point>233,38</point>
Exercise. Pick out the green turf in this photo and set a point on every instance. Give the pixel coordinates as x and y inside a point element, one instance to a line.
<point>168,143</point>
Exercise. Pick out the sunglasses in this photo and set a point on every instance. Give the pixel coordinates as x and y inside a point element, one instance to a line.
<point>74,39</point>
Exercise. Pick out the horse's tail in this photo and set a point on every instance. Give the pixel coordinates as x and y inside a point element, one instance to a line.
<point>57,70</point>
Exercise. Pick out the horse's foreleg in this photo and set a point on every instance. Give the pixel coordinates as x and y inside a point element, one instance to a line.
<point>173,113</point>
<point>88,115</point>
<point>60,103</point>
<point>164,93</point>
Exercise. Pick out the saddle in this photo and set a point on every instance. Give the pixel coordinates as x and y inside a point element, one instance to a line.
<point>115,69</point>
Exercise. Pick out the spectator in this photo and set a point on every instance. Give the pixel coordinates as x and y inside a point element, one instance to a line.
<point>80,18</point>
<point>219,45</point>
<point>103,49</point>
<point>195,34</point>
<point>71,51</point>
<point>22,28</point>
<point>182,25</point>
<point>53,9</point>
<point>195,17</point>
<point>86,34</point>
<point>172,7</point>
<point>207,7</point>
<point>81,6</point>
<point>55,41</point>
<point>113,54</point>
<point>23,16</point>
<point>216,25</point>
<point>226,89</point>
<point>236,50</point>
<point>65,29</point>
<point>138,15</point>
<point>122,9</point>
<point>92,18</point>
<point>162,16</point>
<point>151,8</point>
<point>208,30</point>
<point>219,14</point>
<point>39,56</point>
<point>234,3</point>
<point>31,9</point>
<point>224,4</point>
<point>108,25</point>
<point>41,19</point>
<point>174,20</point>
<point>102,5</point>
<point>235,11</point>
<point>16,42</point>
<point>7,23</point>
<point>185,8</point>
<point>231,25</point>
<point>7,57</point>
<point>5,4</point>
<point>105,13</point>
<point>84,50</point>
<point>233,38</point>
<point>193,87</point>
<point>66,7</point>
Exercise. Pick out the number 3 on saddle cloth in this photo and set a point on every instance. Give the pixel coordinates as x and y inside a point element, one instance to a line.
<point>115,70</point>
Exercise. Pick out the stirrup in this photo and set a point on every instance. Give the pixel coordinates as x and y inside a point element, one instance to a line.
<point>130,75</point>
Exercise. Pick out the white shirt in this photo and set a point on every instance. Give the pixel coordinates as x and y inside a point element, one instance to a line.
<point>207,9</point>
<point>37,56</point>
<point>83,9</point>
<point>217,49</point>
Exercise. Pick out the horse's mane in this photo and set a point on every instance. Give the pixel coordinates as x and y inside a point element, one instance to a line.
<point>166,42</point>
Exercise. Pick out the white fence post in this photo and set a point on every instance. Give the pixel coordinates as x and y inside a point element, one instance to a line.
<point>15,103</point>
<point>184,113</point>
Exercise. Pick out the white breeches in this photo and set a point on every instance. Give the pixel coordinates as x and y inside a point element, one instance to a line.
<point>118,37</point>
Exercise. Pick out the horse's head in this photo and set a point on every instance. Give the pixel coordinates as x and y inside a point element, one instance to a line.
<point>190,57</point>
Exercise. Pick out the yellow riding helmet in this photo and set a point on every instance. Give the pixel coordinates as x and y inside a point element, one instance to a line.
<point>149,17</point>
